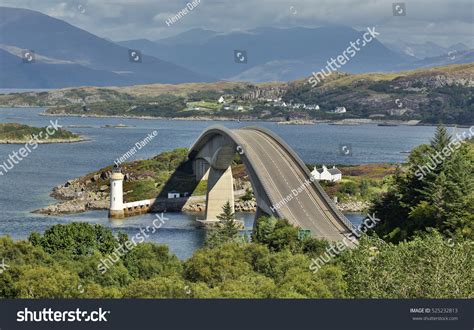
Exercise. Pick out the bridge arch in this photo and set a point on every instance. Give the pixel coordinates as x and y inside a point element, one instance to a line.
<point>281,182</point>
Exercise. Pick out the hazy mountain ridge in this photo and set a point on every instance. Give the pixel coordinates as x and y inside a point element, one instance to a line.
<point>426,50</point>
<point>281,54</point>
<point>97,61</point>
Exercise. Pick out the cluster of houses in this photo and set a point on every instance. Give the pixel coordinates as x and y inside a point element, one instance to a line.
<point>327,174</point>
<point>278,102</point>
<point>272,102</point>
<point>233,107</point>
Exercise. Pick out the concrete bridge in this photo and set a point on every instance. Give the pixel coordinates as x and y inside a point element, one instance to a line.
<point>280,180</point>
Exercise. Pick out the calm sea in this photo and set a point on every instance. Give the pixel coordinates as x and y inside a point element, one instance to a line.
<point>28,185</point>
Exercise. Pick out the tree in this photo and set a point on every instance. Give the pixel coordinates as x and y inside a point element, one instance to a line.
<point>248,195</point>
<point>442,198</point>
<point>425,267</point>
<point>157,287</point>
<point>441,138</point>
<point>148,260</point>
<point>227,221</point>
<point>212,266</point>
<point>226,230</point>
<point>77,238</point>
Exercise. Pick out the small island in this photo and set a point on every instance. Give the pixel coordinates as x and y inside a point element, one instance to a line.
<point>12,133</point>
<point>171,171</point>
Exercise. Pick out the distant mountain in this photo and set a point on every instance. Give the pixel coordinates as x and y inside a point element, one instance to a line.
<point>272,53</point>
<point>422,51</point>
<point>452,57</point>
<point>190,37</point>
<point>69,56</point>
<point>16,74</point>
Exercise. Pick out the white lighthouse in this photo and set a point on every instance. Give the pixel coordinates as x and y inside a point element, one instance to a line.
<point>116,194</point>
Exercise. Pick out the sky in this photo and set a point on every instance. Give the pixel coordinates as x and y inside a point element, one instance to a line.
<point>445,22</point>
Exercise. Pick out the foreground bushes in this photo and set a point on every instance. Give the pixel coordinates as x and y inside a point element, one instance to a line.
<point>62,263</point>
<point>426,267</point>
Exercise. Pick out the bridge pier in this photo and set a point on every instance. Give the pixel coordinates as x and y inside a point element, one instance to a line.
<point>220,190</point>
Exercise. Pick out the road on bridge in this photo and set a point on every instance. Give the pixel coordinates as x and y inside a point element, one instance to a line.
<point>280,177</point>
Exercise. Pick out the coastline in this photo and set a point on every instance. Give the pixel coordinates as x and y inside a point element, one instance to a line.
<point>280,121</point>
<point>52,141</point>
<point>342,122</point>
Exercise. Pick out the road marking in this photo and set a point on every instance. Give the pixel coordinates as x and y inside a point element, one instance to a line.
<point>271,191</point>
<point>325,212</point>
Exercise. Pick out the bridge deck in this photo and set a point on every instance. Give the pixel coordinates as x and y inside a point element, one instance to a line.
<point>283,179</point>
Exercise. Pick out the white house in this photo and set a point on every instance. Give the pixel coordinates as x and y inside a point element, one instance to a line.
<point>173,194</point>
<point>312,107</point>
<point>221,100</point>
<point>340,110</point>
<point>324,174</point>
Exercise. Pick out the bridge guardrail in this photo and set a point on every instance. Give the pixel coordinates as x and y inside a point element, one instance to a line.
<point>320,190</point>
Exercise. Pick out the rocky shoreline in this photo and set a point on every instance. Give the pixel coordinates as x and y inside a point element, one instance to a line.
<point>239,206</point>
<point>244,119</point>
<point>75,198</point>
<point>353,206</point>
<point>50,141</point>
<point>91,192</point>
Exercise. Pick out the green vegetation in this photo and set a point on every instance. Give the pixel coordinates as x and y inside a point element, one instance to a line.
<point>225,231</point>
<point>360,183</point>
<point>422,247</point>
<point>63,263</point>
<point>433,95</point>
<point>155,177</point>
<point>441,198</point>
<point>163,106</point>
<point>210,105</point>
<point>24,133</point>
<point>419,98</point>
<point>427,266</point>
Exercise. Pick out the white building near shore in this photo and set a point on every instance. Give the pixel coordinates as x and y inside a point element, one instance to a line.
<point>324,174</point>
<point>340,110</point>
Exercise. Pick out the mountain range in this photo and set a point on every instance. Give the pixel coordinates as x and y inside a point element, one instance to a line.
<point>424,50</point>
<point>67,56</point>
<point>272,53</point>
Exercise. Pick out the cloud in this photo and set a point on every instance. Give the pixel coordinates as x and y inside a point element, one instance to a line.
<point>445,22</point>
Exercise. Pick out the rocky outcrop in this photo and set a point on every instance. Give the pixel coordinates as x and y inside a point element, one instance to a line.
<point>73,206</point>
<point>251,206</point>
<point>353,206</point>
<point>77,198</point>
<point>239,206</point>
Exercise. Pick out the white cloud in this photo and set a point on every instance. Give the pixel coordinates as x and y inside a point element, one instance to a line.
<point>441,21</point>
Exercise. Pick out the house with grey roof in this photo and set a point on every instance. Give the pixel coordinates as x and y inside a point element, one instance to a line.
<point>324,174</point>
